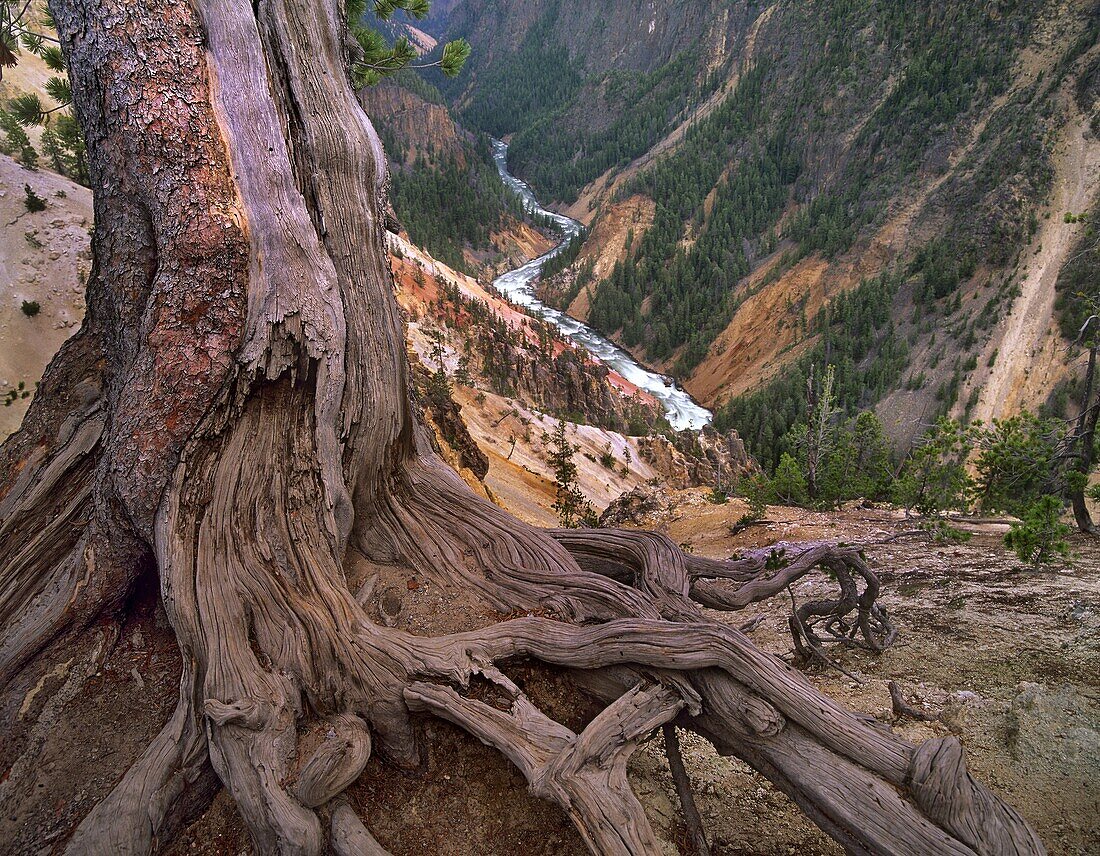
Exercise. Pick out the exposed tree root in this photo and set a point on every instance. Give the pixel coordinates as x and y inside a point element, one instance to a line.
<point>585,774</point>
<point>903,708</point>
<point>692,821</point>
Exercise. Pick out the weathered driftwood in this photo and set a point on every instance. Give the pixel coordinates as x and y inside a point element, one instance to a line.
<point>235,412</point>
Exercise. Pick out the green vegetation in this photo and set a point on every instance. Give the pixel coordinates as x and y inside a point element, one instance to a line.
<point>769,148</point>
<point>30,308</point>
<point>1024,465</point>
<point>1041,535</point>
<point>525,85</point>
<point>453,204</point>
<point>566,257</point>
<point>379,58</point>
<point>935,479</point>
<point>62,140</point>
<point>1078,286</point>
<point>571,505</point>
<point>32,201</point>
<point>855,335</point>
<point>559,157</point>
<point>63,147</point>
<point>690,290</point>
<point>15,141</point>
<point>1018,460</point>
<point>17,393</point>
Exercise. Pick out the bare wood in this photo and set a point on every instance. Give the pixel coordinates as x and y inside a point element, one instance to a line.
<point>585,774</point>
<point>903,708</point>
<point>350,837</point>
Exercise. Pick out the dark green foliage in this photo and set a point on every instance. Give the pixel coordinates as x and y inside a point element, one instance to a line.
<point>439,384</point>
<point>63,145</point>
<point>570,504</point>
<point>859,463</point>
<point>1040,537</point>
<point>788,485</point>
<point>691,292</point>
<point>856,337</point>
<point>31,200</point>
<point>1078,284</point>
<point>15,140</point>
<point>30,308</point>
<point>529,83</point>
<point>560,158</point>
<point>568,254</point>
<point>757,492</point>
<point>721,192</point>
<point>379,58</point>
<point>939,85</point>
<point>942,265</point>
<point>18,393</point>
<point>942,532</point>
<point>1018,462</point>
<point>451,205</point>
<point>935,477</point>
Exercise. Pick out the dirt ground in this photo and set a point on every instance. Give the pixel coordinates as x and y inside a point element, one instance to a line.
<point>1009,656</point>
<point>44,257</point>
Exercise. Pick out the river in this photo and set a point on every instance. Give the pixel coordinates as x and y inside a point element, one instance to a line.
<point>518,286</point>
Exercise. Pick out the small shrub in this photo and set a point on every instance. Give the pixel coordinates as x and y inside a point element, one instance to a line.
<point>941,532</point>
<point>30,308</point>
<point>789,483</point>
<point>32,200</point>
<point>1040,536</point>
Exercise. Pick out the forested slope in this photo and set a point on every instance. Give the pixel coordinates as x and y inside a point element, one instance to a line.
<point>911,153</point>
<point>443,185</point>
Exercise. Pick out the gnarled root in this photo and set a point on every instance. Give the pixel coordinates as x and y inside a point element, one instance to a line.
<point>256,423</point>
<point>585,774</point>
<point>680,583</point>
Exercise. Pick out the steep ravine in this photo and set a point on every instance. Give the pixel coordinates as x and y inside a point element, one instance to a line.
<point>517,286</point>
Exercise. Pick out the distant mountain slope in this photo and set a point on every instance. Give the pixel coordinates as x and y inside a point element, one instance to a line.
<point>444,186</point>
<point>914,156</point>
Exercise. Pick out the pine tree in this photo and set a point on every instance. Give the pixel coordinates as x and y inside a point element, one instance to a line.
<point>1041,535</point>
<point>379,59</point>
<point>570,503</point>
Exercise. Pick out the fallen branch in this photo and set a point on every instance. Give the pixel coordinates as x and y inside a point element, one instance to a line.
<point>901,708</point>
<point>692,820</point>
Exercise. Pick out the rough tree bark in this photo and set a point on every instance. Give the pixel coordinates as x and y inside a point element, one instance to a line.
<point>234,412</point>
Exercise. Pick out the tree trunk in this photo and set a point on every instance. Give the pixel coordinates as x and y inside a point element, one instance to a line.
<point>235,413</point>
<point>1084,442</point>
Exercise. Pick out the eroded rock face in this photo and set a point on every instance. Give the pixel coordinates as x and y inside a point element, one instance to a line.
<point>643,506</point>
<point>419,127</point>
<point>706,459</point>
<point>457,447</point>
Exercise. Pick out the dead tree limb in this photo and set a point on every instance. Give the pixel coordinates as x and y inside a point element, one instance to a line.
<point>692,820</point>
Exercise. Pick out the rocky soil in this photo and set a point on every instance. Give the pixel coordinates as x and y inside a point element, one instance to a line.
<point>1006,656</point>
<point>44,258</point>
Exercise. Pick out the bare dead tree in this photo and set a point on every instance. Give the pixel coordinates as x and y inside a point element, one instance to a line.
<point>234,412</point>
<point>1082,438</point>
